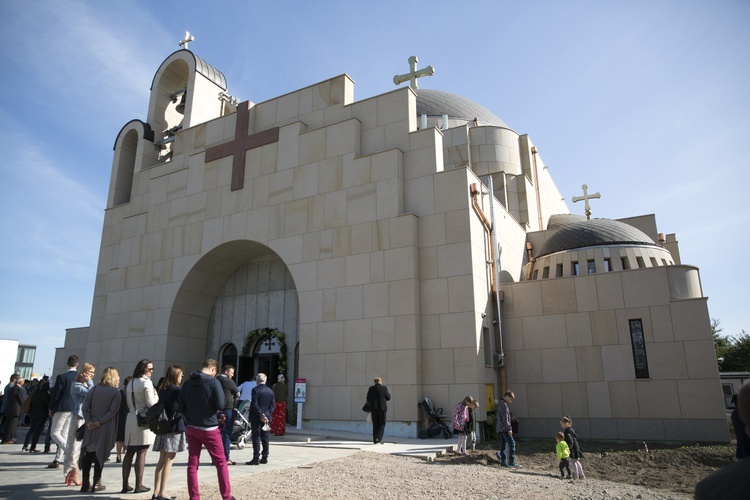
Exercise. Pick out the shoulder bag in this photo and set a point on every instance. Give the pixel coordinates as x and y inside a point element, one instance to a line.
<point>141,419</point>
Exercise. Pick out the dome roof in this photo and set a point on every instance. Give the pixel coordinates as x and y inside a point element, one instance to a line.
<point>587,233</point>
<point>438,103</point>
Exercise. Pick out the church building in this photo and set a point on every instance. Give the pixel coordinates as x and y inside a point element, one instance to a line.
<point>412,236</point>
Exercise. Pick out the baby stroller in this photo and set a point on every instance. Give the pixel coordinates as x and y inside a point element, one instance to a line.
<point>437,425</point>
<point>241,430</point>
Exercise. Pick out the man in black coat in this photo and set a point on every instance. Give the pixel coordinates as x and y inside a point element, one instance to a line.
<point>377,396</point>
<point>15,398</point>
<point>261,409</point>
<point>230,392</point>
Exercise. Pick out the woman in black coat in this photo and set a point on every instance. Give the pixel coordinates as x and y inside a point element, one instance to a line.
<point>38,413</point>
<point>377,396</point>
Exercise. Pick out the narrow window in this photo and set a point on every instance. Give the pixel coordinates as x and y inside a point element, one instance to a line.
<point>545,273</point>
<point>639,348</point>
<point>653,262</point>
<point>574,268</point>
<point>558,271</point>
<point>664,261</point>
<point>536,273</point>
<point>625,263</point>
<point>640,262</point>
<point>607,266</point>
<point>591,266</point>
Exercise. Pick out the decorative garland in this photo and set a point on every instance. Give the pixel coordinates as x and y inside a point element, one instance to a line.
<point>254,335</point>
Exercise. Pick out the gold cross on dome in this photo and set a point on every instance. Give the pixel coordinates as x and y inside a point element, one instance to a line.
<point>185,41</point>
<point>585,198</point>
<point>413,73</point>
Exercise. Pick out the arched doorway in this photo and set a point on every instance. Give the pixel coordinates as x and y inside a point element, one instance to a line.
<point>266,358</point>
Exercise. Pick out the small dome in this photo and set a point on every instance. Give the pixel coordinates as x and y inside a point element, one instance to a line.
<point>588,233</point>
<point>439,103</point>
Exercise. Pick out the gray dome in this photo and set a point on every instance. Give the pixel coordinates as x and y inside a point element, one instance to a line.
<point>439,103</point>
<point>588,233</point>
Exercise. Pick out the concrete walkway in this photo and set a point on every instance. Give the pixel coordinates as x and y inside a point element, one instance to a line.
<point>25,475</point>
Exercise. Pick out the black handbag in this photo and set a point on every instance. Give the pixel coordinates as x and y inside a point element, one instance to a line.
<point>141,419</point>
<point>158,421</point>
<point>366,408</point>
<point>79,432</point>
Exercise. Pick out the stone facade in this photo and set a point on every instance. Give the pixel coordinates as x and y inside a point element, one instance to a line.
<point>363,237</point>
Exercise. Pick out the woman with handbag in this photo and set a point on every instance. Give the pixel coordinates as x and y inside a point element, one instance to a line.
<point>83,384</point>
<point>100,410</point>
<point>168,445</point>
<point>141,396</point>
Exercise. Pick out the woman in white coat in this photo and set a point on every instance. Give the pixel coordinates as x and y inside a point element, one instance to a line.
<point>141,395</point>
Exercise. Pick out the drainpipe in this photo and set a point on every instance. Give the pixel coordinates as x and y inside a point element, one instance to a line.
<point>536,188</point>
<point>495,255</point>
<point>489,227</point>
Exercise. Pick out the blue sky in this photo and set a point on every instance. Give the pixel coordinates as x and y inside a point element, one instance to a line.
<point>646,102</point>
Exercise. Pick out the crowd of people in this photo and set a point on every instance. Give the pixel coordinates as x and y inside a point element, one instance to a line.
<point>88,419</point>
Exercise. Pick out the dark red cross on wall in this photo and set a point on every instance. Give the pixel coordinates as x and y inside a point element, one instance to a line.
<point>241,143</point>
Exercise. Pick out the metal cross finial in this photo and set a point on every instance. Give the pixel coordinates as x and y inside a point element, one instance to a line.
<point>585,198</point>
<point>188,38</point>
<point>413,73</point>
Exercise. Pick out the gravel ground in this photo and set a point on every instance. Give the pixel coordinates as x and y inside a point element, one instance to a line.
<point>381,476</point>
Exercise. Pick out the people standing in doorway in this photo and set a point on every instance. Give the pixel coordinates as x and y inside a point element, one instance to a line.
<point>377,396</point>
<point>61,408</point>
<point>261,412</point>
<point>571,438</point>
<point>201,399</point>
<point>141,395</point>
<point>280,395</point>
<point>101,409</point>
<point>122,419</point>
<point>83,384</point>
<point>505,430</point>
<point>170,444</point>
<point>230,392</point>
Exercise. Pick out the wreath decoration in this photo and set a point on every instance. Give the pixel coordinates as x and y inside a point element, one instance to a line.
<point>254,335</point>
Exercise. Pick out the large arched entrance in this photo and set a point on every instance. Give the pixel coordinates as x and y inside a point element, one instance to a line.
<point>236,288</point>
<point>259,294</point>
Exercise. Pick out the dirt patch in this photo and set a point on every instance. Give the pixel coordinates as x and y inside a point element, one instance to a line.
<point>664,466</point>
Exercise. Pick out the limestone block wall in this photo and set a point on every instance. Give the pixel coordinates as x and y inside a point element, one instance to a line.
<point>570,353</point>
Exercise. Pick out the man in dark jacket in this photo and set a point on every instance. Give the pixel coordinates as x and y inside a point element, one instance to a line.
<point>261,409</point>
<point>230,391</point>
<point>61,407</point>
<point>15,398</point>
<point>201,399</point>
<point>377,395</point>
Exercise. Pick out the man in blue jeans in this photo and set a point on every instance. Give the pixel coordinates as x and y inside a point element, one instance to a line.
<point>505,430</point>
<point>230,392</point>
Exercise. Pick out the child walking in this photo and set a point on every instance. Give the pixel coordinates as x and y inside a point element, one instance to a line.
<point>575,450</point>
<point>563,454</point>
<point>505,430</point>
